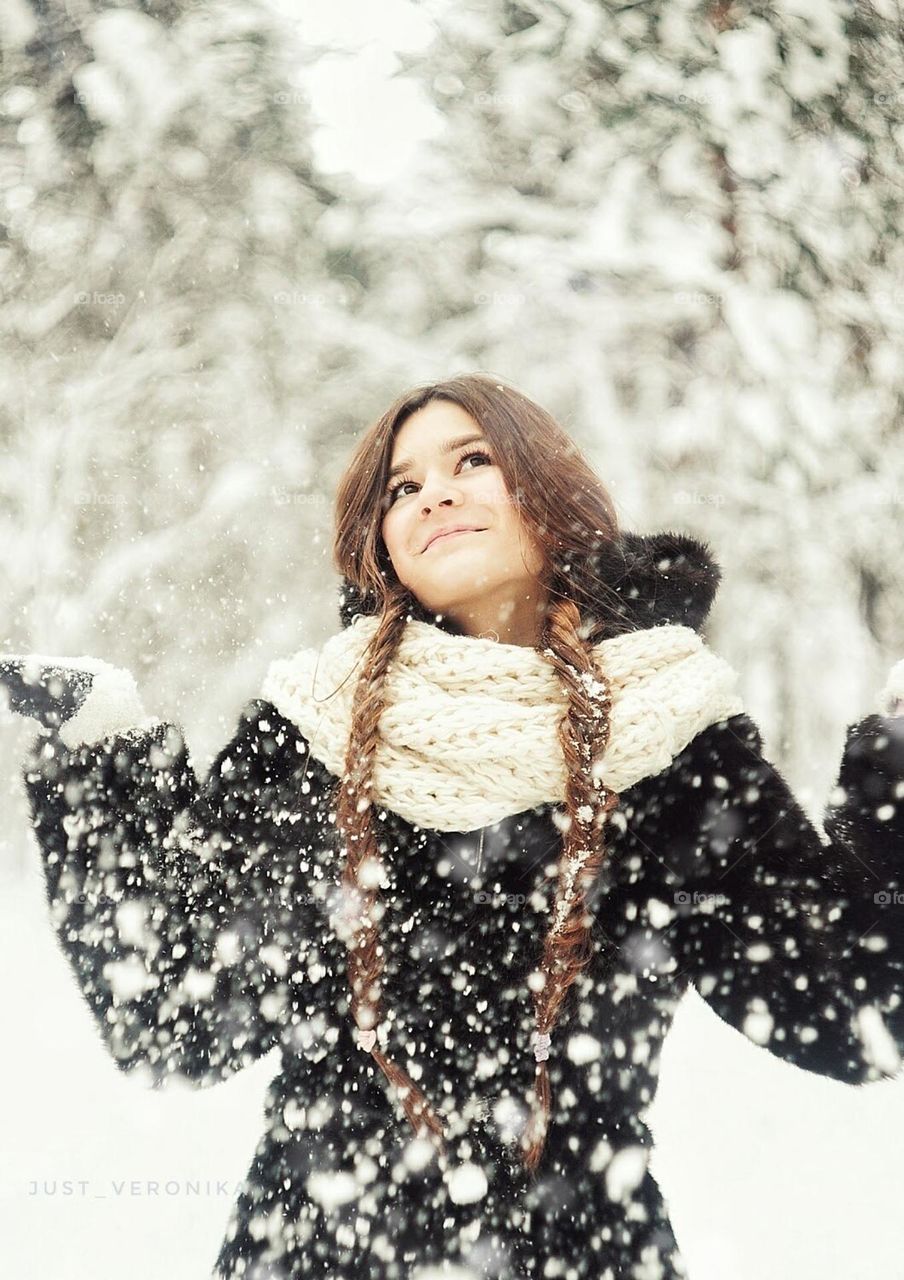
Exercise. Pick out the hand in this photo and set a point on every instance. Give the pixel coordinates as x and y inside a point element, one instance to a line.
<point>49,690</point>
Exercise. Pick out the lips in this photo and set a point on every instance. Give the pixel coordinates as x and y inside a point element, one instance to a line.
<point>442,534</point>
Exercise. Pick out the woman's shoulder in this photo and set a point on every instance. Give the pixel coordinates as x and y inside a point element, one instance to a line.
<point>721,754</point>
<point>268,744</point>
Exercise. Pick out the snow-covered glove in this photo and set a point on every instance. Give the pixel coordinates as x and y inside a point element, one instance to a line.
<point>85,698</point>
<point>891,698</point>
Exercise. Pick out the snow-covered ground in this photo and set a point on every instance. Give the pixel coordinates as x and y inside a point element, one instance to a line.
<point>770,1173</point>
<point>101,1177</point>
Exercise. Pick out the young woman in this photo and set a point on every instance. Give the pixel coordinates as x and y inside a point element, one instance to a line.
<point>461,864</point>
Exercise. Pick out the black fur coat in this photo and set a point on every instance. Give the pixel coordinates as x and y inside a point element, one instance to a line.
<point>195,917</point>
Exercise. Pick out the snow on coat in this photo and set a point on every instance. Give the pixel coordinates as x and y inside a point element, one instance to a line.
<point>195,916</point>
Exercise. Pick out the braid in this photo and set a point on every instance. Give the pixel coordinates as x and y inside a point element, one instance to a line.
<point>363,867</point>
<point>583,733</point>
<point>567,948</point>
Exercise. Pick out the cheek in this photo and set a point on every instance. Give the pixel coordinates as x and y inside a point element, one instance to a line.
<point>507,518</point>
<point>516,538</point>
<point>393,531</point>
<point>493,496</point>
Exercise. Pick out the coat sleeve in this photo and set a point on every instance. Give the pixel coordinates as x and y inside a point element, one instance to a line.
<point>184,910</point>
<point>795,939</point>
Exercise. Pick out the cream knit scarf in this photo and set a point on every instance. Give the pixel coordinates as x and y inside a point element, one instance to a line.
<point>469,733</point>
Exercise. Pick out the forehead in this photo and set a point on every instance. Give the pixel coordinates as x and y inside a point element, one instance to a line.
<point>426,430</point>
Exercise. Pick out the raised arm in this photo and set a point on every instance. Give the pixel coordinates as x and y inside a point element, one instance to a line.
<point>188,917</point>
<point>795,941</point>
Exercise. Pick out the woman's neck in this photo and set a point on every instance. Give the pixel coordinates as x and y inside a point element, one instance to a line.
<point>517,622</point>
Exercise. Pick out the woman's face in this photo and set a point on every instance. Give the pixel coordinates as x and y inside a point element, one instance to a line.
<point>477,578</point>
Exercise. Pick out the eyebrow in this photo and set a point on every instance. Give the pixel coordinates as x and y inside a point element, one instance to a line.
<point>449,447</point>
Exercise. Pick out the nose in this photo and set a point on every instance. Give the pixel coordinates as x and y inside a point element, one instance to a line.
<point>444,502</point>
<point>447,500</point>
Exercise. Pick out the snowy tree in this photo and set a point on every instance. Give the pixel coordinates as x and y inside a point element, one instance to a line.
<point>676,223</point>
<point>179,341</point>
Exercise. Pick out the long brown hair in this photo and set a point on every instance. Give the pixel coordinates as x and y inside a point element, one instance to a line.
<point>569,512</point>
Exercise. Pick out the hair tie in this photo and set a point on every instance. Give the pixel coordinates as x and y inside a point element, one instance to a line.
<point>541,1042</point>
<point>367,1039</point>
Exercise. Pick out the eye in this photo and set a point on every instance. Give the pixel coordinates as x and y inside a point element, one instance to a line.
<point>393,491</point>
<point>475,453</point>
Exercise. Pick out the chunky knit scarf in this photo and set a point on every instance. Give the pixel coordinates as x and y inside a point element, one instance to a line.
<point>469,734</point>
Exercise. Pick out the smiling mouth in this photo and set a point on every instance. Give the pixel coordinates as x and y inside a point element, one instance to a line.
<point>443,537</point>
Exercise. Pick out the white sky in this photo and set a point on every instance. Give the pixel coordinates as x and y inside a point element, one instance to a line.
<point>368,123</point>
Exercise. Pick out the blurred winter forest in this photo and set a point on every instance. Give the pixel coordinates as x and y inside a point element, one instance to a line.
<point>673,223</point>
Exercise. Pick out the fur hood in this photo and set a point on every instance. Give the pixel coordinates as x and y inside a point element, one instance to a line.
<point>656,578</point>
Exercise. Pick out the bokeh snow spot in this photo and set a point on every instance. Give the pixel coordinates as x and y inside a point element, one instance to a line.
<point>333,1188</point>
<point>128,978</point>
<point>583,1048</point>
<point>467,1183</point>
<point>625,1172</point>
